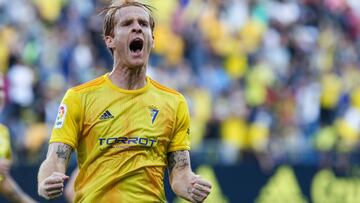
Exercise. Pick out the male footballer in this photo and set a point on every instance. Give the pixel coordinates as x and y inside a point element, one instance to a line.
<point>125,127</point>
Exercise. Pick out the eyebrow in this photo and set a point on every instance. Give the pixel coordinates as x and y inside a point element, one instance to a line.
<point>134,18</point>
<point>143,20</point>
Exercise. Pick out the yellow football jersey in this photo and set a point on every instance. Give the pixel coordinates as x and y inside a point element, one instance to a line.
<point>122,138</point>
<point>5,146</point>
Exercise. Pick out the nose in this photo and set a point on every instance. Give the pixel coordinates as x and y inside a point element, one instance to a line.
<point>136,28</point>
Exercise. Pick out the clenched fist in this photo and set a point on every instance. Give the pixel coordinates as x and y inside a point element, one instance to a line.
<point>199,189</point>
<point>4,166</point>
<point>52,186</point>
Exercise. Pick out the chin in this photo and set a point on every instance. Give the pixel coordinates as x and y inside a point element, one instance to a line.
<point>136,64</point>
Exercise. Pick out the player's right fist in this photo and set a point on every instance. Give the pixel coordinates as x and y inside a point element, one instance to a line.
<point>52,186</point>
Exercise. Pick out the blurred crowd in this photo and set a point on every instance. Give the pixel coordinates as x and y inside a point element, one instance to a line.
<point>270,81</point>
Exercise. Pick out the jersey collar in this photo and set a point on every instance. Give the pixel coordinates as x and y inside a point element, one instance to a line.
<point>137,91</point>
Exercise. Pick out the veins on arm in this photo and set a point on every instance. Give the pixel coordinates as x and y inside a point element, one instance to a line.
<point>178,160</point>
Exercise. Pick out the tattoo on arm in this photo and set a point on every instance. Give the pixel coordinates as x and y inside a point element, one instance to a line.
<point>63,151</point>
<point>178,160</point>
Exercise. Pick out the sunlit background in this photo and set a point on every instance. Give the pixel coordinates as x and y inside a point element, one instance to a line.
<point>273,88</point>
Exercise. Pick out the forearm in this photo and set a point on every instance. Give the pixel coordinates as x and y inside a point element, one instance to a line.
<point>7,190</point>
<point>13,192</point>
<point>51,174</point>
<point>48,167</point>
<point>56,160</point>
<point>180,173</point>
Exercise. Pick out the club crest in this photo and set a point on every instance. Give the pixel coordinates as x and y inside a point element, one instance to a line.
<point>153,113</point>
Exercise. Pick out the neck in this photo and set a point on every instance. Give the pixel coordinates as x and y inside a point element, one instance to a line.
<point>128,78</point>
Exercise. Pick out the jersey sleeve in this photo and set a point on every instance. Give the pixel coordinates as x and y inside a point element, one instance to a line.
<point>68,120</point>
<point>181,137</point>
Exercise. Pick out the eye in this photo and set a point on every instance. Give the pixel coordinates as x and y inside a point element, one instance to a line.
<point>126,23</point>
<point>144,23</point>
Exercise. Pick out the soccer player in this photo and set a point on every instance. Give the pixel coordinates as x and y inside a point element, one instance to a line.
<point>8,187</point>
<point>125,127</point>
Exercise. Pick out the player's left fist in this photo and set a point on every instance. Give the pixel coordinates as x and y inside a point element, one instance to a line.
<point>200,189</point>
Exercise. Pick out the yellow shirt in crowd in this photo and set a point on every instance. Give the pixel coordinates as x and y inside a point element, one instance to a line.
<point>5,146</point>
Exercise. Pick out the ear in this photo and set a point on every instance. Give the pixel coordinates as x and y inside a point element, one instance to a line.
<point>109,41</point>
<point>153,42</point>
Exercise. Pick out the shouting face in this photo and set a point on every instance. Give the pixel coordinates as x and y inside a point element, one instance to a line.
<point>132,38</point>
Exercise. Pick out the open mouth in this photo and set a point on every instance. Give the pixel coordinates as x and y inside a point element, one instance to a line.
<point>136,45</point>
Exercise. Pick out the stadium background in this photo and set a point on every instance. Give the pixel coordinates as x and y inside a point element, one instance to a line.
<point>272,85</point>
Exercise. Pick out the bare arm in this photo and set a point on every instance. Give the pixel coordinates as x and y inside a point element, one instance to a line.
<point>69,189</point>
<point>51,174</point>
<point>183,181</point>
<point>9,188</point>
<point>12,191</point>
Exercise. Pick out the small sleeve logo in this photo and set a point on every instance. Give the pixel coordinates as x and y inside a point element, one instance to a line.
<point>60,118</point>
